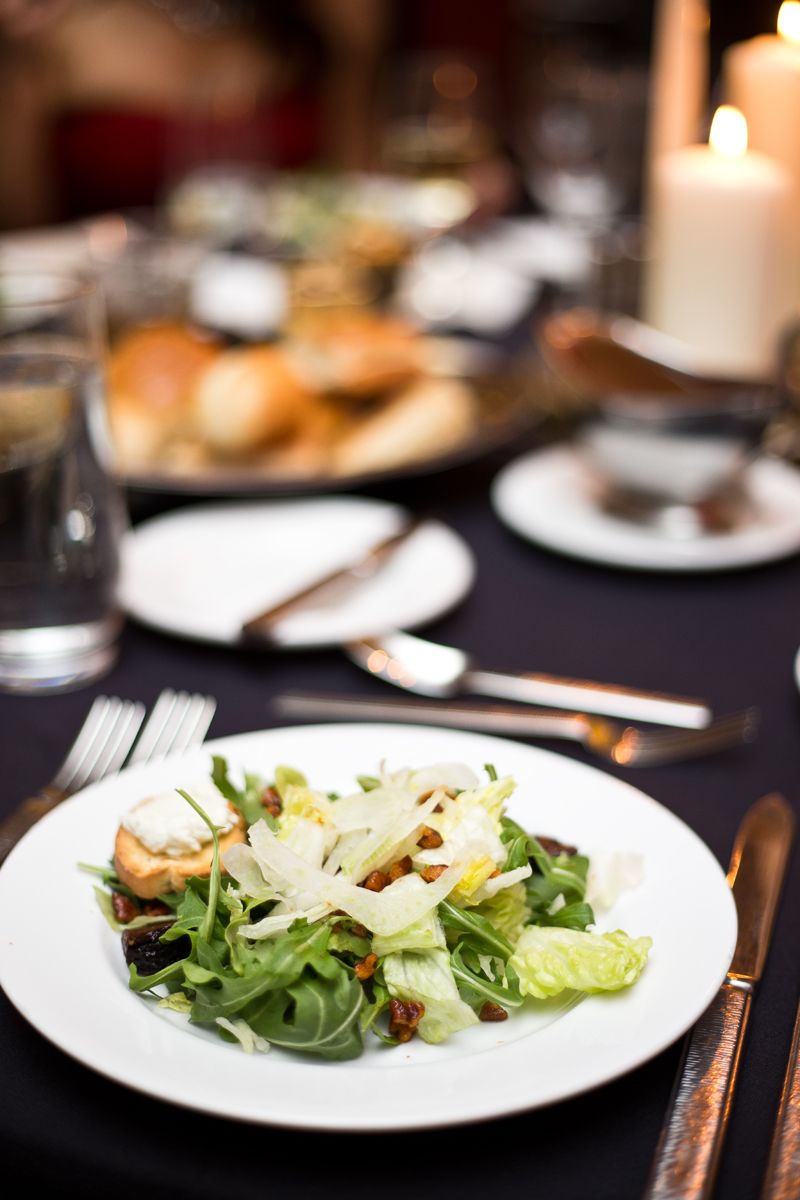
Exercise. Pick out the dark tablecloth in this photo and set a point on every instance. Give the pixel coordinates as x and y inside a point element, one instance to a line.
<point>729,637</point>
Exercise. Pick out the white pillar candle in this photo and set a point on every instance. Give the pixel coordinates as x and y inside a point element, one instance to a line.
<point>762,78</point>
<point>721,275</point>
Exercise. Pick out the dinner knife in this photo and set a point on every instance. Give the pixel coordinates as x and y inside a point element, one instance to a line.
<point>690,1144</point>
<point>783,1167</point>
<point>332,588</point>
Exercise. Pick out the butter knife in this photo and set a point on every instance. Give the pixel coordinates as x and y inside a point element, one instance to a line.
<point>689,1148</point>
<point>332,588</point>
<point>783,1168</point>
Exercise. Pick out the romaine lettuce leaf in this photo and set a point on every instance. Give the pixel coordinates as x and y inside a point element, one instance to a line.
<point>548,960</point>
<point>428,978</point>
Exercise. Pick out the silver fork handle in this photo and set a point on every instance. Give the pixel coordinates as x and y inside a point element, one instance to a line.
<point>14,826</point>
<point>585,696</point>
<point>573,727</point>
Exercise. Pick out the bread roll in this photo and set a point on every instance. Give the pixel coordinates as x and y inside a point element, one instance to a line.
<point>429,418</point>
<point>151,375</point>
<point>359,354</point>
<point>248,397</point>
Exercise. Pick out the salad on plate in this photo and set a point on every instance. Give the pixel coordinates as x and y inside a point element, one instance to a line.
<point>282,915</point>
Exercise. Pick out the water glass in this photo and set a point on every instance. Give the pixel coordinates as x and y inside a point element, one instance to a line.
<point>61,514</point>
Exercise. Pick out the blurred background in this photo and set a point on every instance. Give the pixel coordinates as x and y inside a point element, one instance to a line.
<point>108,104</point>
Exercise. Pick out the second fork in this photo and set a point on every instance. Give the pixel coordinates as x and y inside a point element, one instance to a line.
<point>609,740</point>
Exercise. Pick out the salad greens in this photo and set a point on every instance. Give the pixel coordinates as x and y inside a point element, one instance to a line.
<point>412,905</point>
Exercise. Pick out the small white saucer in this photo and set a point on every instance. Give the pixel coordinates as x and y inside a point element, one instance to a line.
<point>202,571</point>
<point>547,497</point>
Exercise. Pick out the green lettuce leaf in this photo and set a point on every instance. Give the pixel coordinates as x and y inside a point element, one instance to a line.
<point>427,977</point>
<point>548,960</point>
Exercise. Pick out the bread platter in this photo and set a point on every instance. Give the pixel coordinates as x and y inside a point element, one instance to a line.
<point>348,401</point>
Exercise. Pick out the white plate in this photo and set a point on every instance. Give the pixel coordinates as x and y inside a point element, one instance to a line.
<point>62,966</point>
<point>546,497</point>
<point>202,571</point>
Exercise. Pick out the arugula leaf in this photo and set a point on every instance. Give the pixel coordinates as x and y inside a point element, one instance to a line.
<point>317,1014</point>
<point>478,987</point>
<point>267,965</point>
<point>246,800</point>
<point>207,928</point>
<point>571,916</point>
<point>467,921</point>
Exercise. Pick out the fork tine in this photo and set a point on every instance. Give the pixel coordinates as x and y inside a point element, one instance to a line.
<point>95,748</point>
<point>652,749</point>
<point>742,724</point>
<point>194,727</point>
<point>91,767</point>
<point>80,747</point>
<point>145,747</point>
<point>118,741</point>
<point>172,724</point>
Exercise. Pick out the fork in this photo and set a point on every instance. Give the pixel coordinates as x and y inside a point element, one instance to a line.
<point>103,745</point>
<point>609,740</point>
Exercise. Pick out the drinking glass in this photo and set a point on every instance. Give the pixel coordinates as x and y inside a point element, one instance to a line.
<point>61,515</point>
<point>580,137</point>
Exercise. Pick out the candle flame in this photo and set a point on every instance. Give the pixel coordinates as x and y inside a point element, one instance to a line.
<point>789,21</point>
<point>729,131</point>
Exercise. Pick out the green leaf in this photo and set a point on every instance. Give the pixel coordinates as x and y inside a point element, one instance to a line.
<point>571,916</point>
<point>247,801</point>
<point>548,961</point>
<point>206,929</point>
<point>318,1014</point>
<point>426,977</point>
<point>479,987</point>
<point>468,921</point>
<point>286,777</point>
<point>491,771</point>
<point>267,965</point>
<point>368,783</point>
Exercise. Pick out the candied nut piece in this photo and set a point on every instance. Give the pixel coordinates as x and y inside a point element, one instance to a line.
<point>554,847</point>
<point>492,1012</point>
<point>366,968</point>
<point>429,839</point>
<point>272,802</point>
<point>155,908</point>
<point>124,908</point>
<point>401,867</point>
<point>404,1017</point>
<point>376,881</point>
<point>429,874</point>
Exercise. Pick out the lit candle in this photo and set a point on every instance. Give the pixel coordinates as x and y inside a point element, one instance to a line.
<point>721,275</point>
<point>762,78</point>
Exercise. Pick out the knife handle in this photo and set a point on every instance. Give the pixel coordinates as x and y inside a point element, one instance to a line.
<point>783,1169</point>
<point>610,700</point>
<point>687,1156</point>
<point>24,817</point>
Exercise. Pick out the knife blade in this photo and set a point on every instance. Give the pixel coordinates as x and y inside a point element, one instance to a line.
<point>688,1152</point>
<point>332,588</point>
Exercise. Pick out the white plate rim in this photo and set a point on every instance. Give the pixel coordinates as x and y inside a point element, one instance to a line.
<point>420,1106</point>
<point>718,553</point>
<point>462,580</point>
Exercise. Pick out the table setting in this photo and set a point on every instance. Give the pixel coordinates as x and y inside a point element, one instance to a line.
<point>399,655</point>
